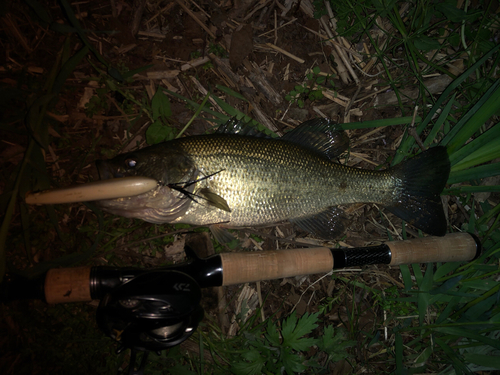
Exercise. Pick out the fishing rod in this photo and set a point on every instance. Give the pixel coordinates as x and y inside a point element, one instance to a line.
<point>154,309</point>
<point>87,283</point>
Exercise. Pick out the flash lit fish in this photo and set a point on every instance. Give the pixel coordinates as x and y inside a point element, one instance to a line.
<point>239,180</point>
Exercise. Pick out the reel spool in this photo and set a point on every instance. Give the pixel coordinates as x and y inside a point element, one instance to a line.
<point>152,311</point>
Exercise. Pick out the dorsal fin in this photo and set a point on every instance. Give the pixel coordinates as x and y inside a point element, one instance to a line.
<point>320,135</point>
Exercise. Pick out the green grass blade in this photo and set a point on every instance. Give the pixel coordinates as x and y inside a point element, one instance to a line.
<point>452,356</point>
<point>445,269</point>
<point>439,122</point>
<point>222,117</point>
<point>131,73</point>
<point>472,174</point>
<point>4,229</point>
<point>198,110</point>
<point>228,91</point>
<point>462,332</point>
<point>483,155</point>
<point>398,348</point>
<point>406,274</point>
<point>67,68</point>
<point>490,106</point>
<point>487,137</point>
<point>81,33</point>
<point>408,142</point>
<point>466,118</point>
<point>483,360</point>
<point>423,293</point>
<point>417,272</point>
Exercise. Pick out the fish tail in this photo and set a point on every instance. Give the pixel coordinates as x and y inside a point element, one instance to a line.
<point>423,179</point>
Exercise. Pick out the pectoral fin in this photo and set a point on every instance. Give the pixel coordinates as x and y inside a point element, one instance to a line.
<point>214,199</point>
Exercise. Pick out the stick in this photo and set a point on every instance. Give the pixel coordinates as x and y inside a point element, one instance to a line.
<point>292,56</point>
<point>193,16</point>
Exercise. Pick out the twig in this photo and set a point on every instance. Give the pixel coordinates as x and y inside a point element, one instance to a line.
<point>193,16</point>
<point>340,53</point>
<point>157,75</point>
<point>413,132</point>
<point>205,92</point>
<point>138,6</point>
<point>292,56</point>
<point>225,69</point>
<point>276,29</point>
<point>349,105</point>
<point>194,63</point>
<point>332,42</point>
<point>262,84</point>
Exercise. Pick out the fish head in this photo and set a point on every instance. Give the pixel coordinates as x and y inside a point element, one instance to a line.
<point>167,166</point>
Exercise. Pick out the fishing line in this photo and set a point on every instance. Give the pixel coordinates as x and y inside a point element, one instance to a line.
<point>181,189</point>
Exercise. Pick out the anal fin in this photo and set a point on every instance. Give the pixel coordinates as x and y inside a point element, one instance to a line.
<point>221,234</point>
<point>328,224</point>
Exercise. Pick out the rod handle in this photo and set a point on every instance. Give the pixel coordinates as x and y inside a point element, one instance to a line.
<point>63,285</point>
<point>268,265</point>
<point>454,247</point>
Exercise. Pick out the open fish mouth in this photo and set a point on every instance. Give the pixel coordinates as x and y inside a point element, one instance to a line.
<point>111,188</point>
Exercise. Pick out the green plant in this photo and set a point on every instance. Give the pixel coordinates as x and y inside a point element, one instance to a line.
<point>391,301</point>
<point>271,347</point>
<point>310,90</point>
<point>217,50</point>
<point>159,130</point>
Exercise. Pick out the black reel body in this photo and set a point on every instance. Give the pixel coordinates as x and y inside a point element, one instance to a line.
<point>153,311</point>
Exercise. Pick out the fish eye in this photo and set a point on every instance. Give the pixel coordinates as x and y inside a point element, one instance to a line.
<point>130,163</point>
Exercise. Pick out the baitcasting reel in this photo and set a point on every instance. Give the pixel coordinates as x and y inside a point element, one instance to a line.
<point>151,312</point>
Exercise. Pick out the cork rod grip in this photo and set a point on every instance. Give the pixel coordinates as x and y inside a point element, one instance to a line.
<point>255,266</point>
<point>454,247</point>
<point>68,285</point>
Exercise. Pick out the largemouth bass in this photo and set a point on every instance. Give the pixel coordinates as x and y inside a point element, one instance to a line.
<point>236,179</point>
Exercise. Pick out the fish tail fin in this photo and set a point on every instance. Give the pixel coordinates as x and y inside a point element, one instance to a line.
<point>423,179</point>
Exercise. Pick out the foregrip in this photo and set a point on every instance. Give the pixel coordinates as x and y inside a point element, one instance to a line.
<point>268,265</point>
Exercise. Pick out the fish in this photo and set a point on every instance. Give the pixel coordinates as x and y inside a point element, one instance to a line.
<point>239,177</point>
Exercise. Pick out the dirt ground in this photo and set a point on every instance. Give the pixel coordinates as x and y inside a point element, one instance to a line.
<point>261,49</point>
